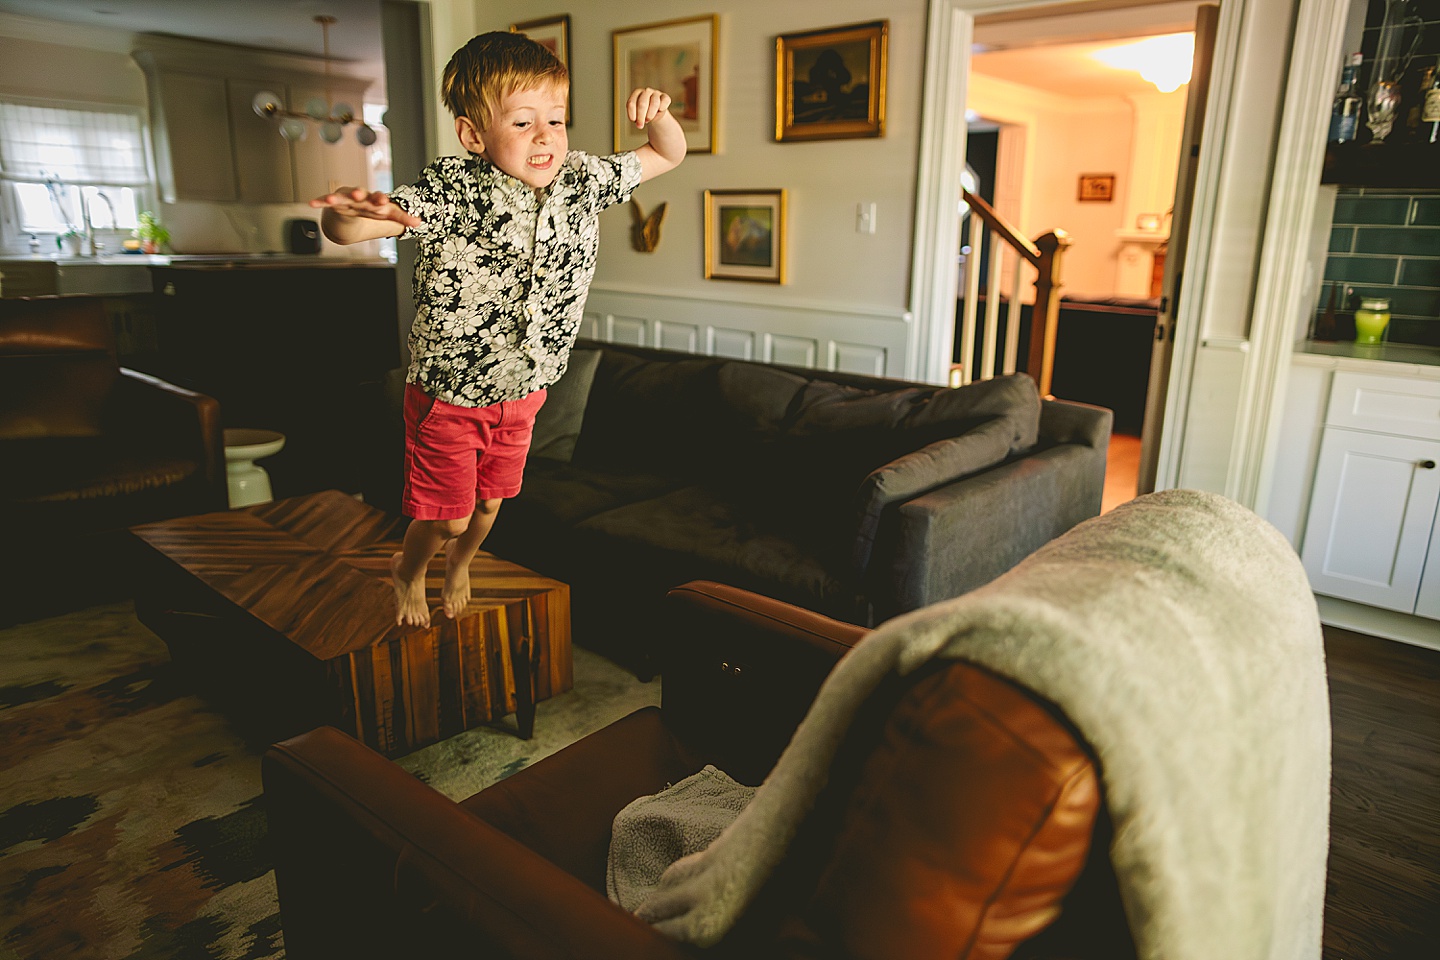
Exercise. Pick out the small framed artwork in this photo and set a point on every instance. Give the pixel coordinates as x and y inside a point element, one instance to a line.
<point>745,235</point>
<point>830,84</point>
<point>552,33</point>
<point>677,57</point>
<point>1097,187</point>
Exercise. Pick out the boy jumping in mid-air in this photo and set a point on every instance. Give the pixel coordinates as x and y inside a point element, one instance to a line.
<point>507,243</point>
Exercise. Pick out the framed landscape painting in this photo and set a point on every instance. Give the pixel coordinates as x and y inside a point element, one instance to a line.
<point>677,57</point>
<point>830,84</point>
<point>745,235</point>
<point>552,33</point>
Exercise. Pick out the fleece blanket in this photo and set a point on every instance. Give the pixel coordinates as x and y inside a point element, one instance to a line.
<point>1179,634</point>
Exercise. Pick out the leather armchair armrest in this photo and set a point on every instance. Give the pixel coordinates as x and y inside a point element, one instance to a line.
<point>371,862</point>
<point>741,670</point>
<point>147,407</point>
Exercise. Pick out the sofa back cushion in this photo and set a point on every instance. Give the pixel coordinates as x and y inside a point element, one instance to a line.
<point>970,819</point>
<point>557,425</point>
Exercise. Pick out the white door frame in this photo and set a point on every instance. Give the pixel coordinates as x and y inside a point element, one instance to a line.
<point>1278,298</point>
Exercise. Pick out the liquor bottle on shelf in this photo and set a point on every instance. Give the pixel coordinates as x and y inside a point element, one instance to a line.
<point>1430,109</point>
<point>1345,111</point>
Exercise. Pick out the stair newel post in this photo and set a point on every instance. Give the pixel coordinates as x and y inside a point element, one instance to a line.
<point>1045,318</point>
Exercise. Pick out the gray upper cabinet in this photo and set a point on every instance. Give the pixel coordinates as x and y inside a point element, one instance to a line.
<point>211,145</point>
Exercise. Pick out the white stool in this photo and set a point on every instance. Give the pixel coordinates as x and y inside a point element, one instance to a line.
<point>248,483</point>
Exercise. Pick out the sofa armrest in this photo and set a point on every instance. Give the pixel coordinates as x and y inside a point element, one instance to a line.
<point>371,862</point>
<point>963,535</point>
<point>741,671</point>
<point>148,407</point>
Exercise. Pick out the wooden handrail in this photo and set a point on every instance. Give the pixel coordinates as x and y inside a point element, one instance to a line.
<point>1044,254</point>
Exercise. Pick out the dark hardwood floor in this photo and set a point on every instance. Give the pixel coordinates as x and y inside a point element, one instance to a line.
<point>1383,889</point>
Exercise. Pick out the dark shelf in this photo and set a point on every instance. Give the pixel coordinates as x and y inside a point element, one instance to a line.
<point>1388,164</point>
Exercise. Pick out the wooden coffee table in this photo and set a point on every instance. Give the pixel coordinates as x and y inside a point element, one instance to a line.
<point>285,611</point>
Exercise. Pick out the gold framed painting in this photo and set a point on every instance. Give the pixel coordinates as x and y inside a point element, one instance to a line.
<point>830,84</point>
<point>745,235</point>
<point>1097,187</point>
<point>677,57</point>
<point>552,33</point>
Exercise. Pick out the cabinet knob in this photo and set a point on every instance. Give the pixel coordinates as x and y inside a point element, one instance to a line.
<point>1426,464</point>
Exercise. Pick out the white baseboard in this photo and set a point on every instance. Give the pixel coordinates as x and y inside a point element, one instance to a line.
<point>1390,624</point>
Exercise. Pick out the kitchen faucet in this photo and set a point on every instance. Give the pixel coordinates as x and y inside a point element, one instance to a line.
<point>94,246</point>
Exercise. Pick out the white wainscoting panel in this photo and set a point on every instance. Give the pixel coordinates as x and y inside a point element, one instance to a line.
<point>735,344</point>
<point>868,340</point>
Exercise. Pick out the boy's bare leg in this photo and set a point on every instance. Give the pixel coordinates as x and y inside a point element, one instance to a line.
<point>455,595</point>
<point>423,539</point>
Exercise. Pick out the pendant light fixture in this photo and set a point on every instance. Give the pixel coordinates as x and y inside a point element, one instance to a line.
<point>332,117</point>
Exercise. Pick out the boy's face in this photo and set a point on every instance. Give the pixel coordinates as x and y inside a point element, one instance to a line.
<point>526,137</point>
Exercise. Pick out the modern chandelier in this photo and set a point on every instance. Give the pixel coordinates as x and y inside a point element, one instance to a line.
<point>332,117</point>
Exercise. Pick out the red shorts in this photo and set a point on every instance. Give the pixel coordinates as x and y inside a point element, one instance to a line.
<point>455,456</point>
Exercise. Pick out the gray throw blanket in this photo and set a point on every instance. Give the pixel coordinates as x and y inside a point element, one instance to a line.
<point>1179,634</point>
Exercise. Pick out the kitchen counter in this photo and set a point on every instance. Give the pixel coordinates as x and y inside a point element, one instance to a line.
<point>116,274</point>
<point>1382,352</point>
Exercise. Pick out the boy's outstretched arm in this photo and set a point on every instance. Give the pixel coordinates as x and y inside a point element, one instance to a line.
<point>667,141</point>
<point>351,215</point>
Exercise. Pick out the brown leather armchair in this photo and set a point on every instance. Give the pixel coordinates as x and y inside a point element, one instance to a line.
<point>965,821</point>
<point>89,447</point>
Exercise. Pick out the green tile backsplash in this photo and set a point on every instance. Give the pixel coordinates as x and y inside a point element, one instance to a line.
<point>1386,243</point>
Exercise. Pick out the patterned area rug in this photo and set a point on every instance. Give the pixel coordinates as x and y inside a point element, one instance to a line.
<point>132,823</point>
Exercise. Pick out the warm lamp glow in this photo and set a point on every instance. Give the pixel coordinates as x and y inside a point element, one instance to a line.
<point>1164,61</point>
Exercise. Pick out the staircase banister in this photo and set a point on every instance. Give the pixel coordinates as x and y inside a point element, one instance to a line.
<point>1003,229</point>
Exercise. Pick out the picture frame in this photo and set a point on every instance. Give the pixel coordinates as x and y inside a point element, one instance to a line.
<point>1097,187</point>
<point>677,57</point>
<point>552,33</point>
<point>830,84</point>
<point>745,235</point>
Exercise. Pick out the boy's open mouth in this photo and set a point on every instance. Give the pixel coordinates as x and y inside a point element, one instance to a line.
<point>541,161</point>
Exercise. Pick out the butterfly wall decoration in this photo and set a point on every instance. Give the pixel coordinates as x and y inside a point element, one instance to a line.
<point>645,231</point>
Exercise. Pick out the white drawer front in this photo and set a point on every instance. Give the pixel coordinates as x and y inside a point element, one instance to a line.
<point>1404,406</point>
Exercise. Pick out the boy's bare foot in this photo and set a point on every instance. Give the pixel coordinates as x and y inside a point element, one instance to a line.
<point>455,595</point>
<point>411,610</point>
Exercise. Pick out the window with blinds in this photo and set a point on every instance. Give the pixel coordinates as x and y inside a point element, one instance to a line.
<point>57,161</point>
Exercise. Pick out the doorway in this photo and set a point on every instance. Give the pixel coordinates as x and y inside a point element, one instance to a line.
<point>1100,160</point>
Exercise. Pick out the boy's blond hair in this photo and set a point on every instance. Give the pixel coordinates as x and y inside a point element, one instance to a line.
<point>492,66</point>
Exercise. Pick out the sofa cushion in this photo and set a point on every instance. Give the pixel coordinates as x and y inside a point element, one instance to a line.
<point>650,415</point>
<point>86,468</point>
<point>557,425</point>
<point>697,533</point>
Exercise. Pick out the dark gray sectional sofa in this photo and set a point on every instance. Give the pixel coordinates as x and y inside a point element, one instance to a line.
<point>853,496</point>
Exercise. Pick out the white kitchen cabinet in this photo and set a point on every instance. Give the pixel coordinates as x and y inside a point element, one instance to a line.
<point>211,145</point>
<point>1371,527</point>
<point>264,170</point>
<point>191,132</point>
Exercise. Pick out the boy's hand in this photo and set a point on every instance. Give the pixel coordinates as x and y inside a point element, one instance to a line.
<point>355,202</point>
<point>645,104</point>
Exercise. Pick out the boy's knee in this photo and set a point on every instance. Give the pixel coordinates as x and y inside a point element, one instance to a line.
<point>489,506</point>
<point>450,529</point>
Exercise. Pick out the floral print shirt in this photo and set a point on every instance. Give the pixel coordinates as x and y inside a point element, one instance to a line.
<point>501,275</point>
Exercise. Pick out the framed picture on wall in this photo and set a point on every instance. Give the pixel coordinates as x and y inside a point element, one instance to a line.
<point>552,33</point>
<point>745,235</point>
<point>677,57</point>
<point>830,84</point>
<point>1097,187</point>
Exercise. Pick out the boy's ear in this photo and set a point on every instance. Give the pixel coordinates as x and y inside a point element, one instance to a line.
<point>469,135</point>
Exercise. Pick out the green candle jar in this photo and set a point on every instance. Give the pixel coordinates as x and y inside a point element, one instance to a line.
<point>1371,320</point>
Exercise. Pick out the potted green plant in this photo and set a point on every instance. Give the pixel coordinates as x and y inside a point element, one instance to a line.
<point>151,234</point>
<point>69,242</point>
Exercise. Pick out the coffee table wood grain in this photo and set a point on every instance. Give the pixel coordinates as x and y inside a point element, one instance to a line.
<point>286,609</point>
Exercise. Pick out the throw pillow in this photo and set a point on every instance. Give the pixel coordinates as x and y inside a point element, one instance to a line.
<point>557,425</point>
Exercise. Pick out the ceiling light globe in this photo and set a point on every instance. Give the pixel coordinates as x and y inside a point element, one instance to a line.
<point>317,109</point>
<point>293,130</point>
<point>265,103</point>
<point>344,112</point>
<point>365,134</point>
<point>330,131</point>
